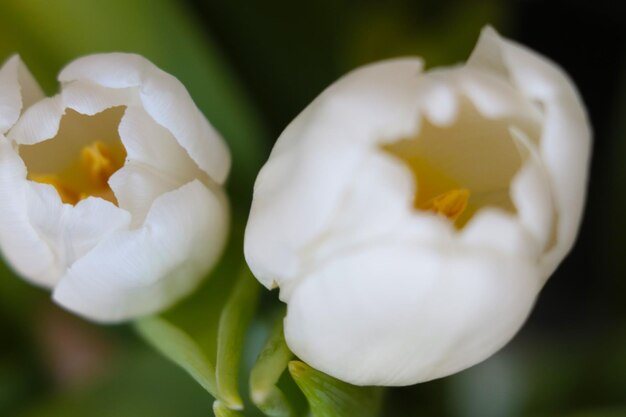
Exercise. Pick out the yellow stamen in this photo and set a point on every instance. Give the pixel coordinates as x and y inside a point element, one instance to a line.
<point>97,162</point>
<point>89,176</point>
<point>450,204</point>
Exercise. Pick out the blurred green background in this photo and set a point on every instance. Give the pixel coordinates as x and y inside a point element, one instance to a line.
<point>252,67</point>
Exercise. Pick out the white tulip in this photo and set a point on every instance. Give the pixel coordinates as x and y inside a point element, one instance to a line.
<point>111,191</point>
<point>410,218</point>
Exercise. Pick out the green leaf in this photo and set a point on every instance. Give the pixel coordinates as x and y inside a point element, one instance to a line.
<point>234,322</point>
<point>220,410</point>
<point>270,365</point>
<point>175,344</point>
<point>329,397</point>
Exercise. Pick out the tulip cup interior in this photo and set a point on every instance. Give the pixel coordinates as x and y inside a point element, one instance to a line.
<point>81,158</point>
<point>460,168</point>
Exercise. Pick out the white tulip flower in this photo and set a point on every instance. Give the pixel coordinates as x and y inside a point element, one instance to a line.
<point>111,191</point>
<point>410,218</point>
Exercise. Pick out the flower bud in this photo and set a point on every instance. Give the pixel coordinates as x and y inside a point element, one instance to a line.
<point>111,191</point>
<point>410,218</point>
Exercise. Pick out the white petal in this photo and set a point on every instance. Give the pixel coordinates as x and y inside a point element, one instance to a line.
<point>531,193</point>
<point>41,121</point>
<point>494,229</point>
<point>497,99</point>
<point>41,236</point>
<point>486,55</point>
<point>317,161</point>
<point>90,98</point>
<point>156,164</point>
<point>438,101</point>
<point>164,98</point>
<point>148,143</point>
<point>377,207</point>
<point>21,243</point>
<point>566,152</point>
<point>566,137</point>
<point>18,90</point>
<point>88,223</point>
<point>140,271</point>
<point>71,231</point>
<point>29,87</point>
<point>136,188</point>
<point>378,199</point>
<point>402,314</point>
<point>316,158</point>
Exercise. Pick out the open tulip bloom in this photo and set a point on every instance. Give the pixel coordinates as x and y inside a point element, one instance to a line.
<point>110,191</point>
<point>411,218</point>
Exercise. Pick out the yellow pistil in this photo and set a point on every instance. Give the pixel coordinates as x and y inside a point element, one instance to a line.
<point>450,204</point>
<point>98,164</point>
<point>437,191</point>
<point>89,176</point>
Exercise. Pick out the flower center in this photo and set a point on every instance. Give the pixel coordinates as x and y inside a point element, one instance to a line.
<point>79,161</point>
<point>450,204</point>
<point>460,168</point>
<point>89,176</point>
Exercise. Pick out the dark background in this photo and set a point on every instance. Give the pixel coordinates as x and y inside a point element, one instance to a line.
<point>568,360</point>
